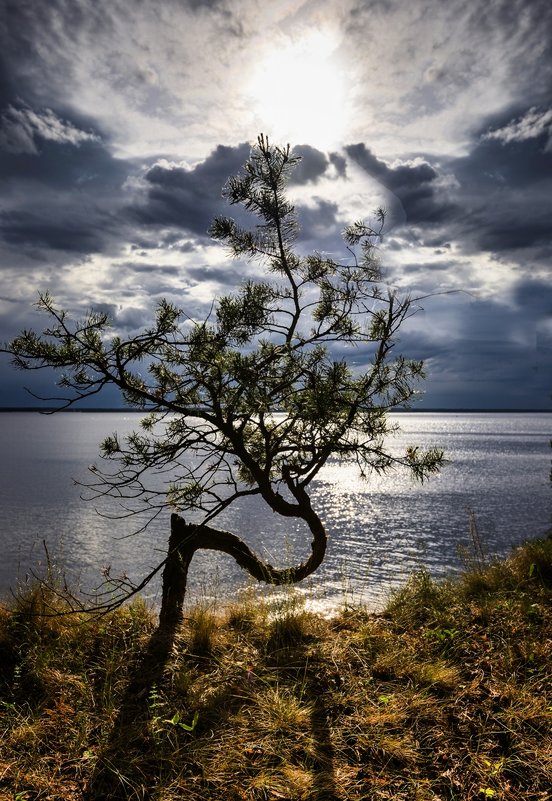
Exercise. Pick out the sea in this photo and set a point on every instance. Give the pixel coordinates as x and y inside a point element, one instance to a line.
<point>493,494</point>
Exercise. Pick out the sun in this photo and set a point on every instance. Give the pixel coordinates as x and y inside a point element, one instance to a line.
<point>299,92</point>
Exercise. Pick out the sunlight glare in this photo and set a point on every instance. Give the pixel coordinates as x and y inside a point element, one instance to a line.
<point>299,92</point>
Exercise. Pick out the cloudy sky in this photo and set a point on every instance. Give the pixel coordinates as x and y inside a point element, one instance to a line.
<point>120,120</point>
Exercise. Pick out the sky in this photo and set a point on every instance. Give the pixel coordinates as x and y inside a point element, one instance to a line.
<point>121,120</point>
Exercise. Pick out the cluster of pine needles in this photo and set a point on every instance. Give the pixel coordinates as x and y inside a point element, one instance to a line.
<point>445,695</point>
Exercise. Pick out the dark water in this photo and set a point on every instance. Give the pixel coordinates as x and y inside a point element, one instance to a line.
<point>380,530</point>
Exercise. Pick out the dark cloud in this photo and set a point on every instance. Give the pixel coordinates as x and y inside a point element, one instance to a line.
<point>315,164</point>
<point>524,160</point>
<point>62,187</point>
<point>508,231</point>
<point>172,240</point>
<point>497,198</point>
<point>414,183</point>
<point>318,221</point>
<point>403,176</point>
<point>535,295</point>
<point>497,374</point>
<point>312,166</point>
<point>188,199</point>
<point>492,359</point>
<point>339,164</point>
<point>22,129</point>
<point>478,370</point>
<point>226,275</point>
<point>8,89</point>
<point>131,318</point>
<point>505,184</point>
<point>59,228</point>
<point>81,164</point>
<point>203,5</point>
<point>30,32</point>
<point>525,28</point>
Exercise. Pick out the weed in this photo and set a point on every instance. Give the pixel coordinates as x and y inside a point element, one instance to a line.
<point>176,721</point>
<point>475,556</point>
<point>442,635</point>
<point>203,625</point>
<point>421,601</point>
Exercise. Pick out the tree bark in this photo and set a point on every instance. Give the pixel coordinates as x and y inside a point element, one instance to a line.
<point>186,538</point>
<point>175,573</point>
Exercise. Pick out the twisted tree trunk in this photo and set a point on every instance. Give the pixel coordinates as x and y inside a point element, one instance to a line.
<point>186,538</point>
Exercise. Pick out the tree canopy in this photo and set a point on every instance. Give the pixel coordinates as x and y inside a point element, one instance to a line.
<point>256,398</point>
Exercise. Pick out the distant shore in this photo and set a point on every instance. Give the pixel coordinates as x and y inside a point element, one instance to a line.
<point>134,410</point>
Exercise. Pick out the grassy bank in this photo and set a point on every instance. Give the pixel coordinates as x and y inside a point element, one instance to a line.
<point>446,695</point>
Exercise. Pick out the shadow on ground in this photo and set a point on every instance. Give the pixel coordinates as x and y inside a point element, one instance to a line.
<point>129,766</point>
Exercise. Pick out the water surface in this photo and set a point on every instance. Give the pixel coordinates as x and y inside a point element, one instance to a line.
<point>380,530</point>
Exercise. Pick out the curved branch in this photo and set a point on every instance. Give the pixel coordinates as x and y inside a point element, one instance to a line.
<point>187,538</point>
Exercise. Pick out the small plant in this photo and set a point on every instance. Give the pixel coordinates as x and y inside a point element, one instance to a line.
<point>289,630</point>
<point>248,613</point>
<point>154,699</point>
<point>494,768</point>
<point>176,721</point>
<point>443,636</point>
<point>203,625</point>
<point>160,724</point>
<point>475,556</point>
<point>421,601</point>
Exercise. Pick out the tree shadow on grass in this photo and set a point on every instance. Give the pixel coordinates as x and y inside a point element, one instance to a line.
<point>272,747</point>
<point>126,766</point>
<point>298,662</point>
<point>324,784</point>
<point>137,762</point>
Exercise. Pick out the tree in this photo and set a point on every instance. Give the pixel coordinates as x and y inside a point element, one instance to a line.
<point>252,400</point>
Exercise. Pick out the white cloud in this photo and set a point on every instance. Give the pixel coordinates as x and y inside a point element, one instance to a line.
<point>175,78</point>
<point>430,71</point>
<point>21,127</point>
<point>532,125</point>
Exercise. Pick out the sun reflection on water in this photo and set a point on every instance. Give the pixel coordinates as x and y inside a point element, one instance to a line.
<point>380,530</point>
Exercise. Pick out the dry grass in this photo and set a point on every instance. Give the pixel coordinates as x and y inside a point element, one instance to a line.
<point>447,695</point>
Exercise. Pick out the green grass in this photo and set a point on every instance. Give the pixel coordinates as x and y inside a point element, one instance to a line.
<point>446,695</point>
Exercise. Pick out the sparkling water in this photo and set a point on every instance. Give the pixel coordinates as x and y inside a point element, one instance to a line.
<point>381,530</point>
